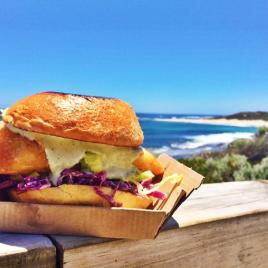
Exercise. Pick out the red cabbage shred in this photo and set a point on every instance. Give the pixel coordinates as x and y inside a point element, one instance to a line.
<point>70,176</point>
<point>107,197</point>
<point>78,177</point>
<point>33,183</point>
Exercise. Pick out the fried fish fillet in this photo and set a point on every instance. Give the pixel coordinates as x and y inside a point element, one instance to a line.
<point>19,155</point>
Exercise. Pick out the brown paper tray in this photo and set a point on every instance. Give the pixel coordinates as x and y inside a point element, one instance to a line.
<point>102,222</point>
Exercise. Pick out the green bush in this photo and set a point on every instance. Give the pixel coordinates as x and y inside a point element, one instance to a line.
<point>261,169</point>
<point>262,131</point>
<point>230,167</point>
<point>239,145</point>
<point>244,172</point>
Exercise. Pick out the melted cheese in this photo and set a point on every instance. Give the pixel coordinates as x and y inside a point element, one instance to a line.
<point>64,153</point>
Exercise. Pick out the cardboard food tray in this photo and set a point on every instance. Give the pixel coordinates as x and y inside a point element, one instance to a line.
<point>99,221</point>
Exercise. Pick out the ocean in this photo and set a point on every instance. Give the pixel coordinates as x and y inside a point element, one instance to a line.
<point>164,135</point>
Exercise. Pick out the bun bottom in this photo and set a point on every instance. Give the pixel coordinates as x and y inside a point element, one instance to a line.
<point>67,194</point>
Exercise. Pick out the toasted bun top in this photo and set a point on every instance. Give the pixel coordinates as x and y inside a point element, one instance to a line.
<point>86,118</point>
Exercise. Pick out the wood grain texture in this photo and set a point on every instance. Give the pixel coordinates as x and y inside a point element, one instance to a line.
<point>237,242</point>
<point>20,250</point>
<point>219,201</point>
<point>225,225</point>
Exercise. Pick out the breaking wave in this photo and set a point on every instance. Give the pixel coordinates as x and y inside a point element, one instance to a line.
<point>202,143</point>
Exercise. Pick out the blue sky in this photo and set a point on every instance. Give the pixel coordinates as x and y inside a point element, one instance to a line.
<point>161,56</point>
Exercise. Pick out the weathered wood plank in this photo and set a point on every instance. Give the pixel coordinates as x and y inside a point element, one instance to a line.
<point>227,225</point>
<point>237,242</point>
<point>31,251</point>
<point>219,201</point>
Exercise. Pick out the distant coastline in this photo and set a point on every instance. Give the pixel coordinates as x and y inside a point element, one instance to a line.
<point>242,119</point>
<point>260,115</point>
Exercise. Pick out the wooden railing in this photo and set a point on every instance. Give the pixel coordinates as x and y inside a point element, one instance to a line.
<point>220,225</point>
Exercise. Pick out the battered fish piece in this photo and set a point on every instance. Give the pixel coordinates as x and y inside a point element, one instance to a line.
<point>19,155</point>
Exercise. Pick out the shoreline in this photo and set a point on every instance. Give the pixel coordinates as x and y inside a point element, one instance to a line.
<point>218,121</point>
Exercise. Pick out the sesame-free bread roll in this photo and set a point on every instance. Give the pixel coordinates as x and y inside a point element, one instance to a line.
<point>86,118</point>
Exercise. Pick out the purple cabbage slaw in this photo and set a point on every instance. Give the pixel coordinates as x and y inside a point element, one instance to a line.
<point>27,183</point>
<point>77,177</point>
<point>33,183</point>
<point>72,176</point>
<point>149,184</point>
<point>107,197</point>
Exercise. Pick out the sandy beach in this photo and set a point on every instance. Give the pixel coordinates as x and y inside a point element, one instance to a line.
<point>218,121</point>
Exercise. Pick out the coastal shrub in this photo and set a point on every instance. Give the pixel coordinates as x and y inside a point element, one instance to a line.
<point>254,149</point>
<point>262,131</point>
<point>244,172</point>
<point>261,169</point>
<point>239,145</point>
<point>218,170</point>
<point>230,167</point>
<point>211,168</point>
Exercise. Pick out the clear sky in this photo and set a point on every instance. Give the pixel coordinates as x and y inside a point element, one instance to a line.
<point>180,56</point>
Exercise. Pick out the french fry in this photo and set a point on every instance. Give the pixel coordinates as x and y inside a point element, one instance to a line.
<point>147,161</point>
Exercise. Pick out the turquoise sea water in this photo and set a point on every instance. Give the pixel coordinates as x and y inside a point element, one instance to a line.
<point>164,135</point>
